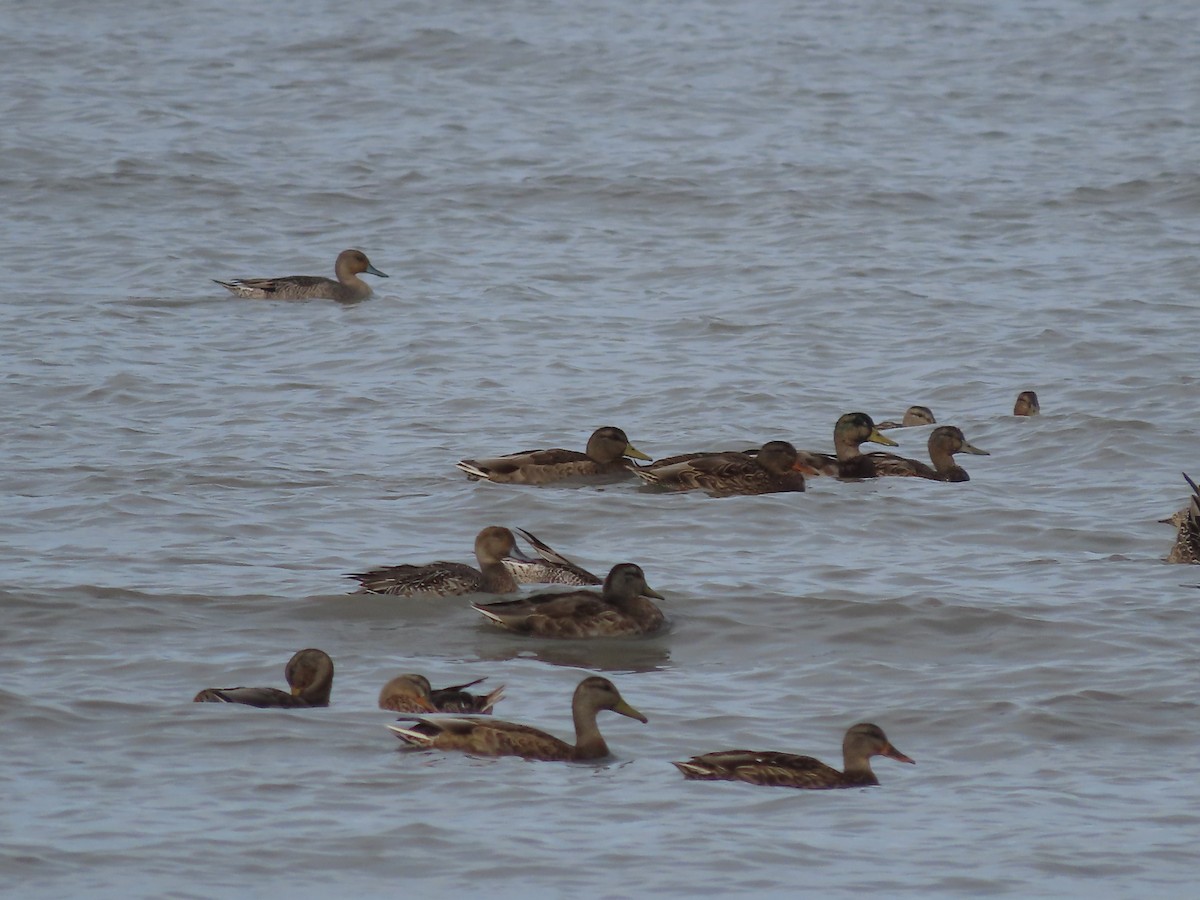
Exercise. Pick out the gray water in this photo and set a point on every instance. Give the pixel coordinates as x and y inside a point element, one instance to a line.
<point>711,224</point>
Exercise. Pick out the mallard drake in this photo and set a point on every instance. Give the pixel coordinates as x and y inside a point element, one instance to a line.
<point>309,673</point>
<point>913,416</point>
<point>1187,541</point>
<point>772,469</point>
<point>495,737</point>
<point>605,453</point>
<point>347,289</point>
<point>1027,404</point>
<point>771,767</point>
<point>620,609</point>
<point>445,579</point>
<point>848,460</point>
<point>413,693</point>
<point>551,568</point>
<point>944,442</point>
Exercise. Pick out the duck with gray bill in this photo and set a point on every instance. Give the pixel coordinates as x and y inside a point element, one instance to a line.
<point>944,442</point>
<point>445,579</point>
<point>605,456</point>
<point>348,288</point>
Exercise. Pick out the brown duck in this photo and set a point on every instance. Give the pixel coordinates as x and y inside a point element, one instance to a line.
<point>944,442</point>
<point>413,693</point>
<point>773,469</point>
<point>771,767</point>
<point>445,579</point>
<point>551,567</point>
<point>495,737</point>
<point>620,609</point>
<point>848,461</point>
<point>1027,404</point>
<point>347,289</point>
<point>604,456</point>
<point>913,417</point>
<point>309,673</point>
<point>1187,541</point>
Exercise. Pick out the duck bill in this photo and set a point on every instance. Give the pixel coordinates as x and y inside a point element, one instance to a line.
<point>371,270</point>
<point>648,591</point>
<point>892,753</point>
<point>626,710</point>
<point>877,438</point>
<point>634,453</point>
<point>804,468</point>
<point>968,448</point>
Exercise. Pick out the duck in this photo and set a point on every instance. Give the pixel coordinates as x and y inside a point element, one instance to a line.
<point>1027,404</point>
<point>412,693</point>
<point>620,609</point>
<point>775,768</point>
<point>496,737</point>
<point>913,417</point>
<point>309,674</point>
<point>348,288</point>
<point>605,455</point>
<point>447,579</point>
<point>944,442</point>
<point>1187,542</point>
<point>775,468</point>
<point>848,461</point>
<point>550,568</point>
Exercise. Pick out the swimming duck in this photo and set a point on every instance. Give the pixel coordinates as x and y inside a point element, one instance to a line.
<point>772,469</point>
<point>414,694</point>
<point>309,673</point>
<point>551,568</point>
<point>848,460</point>
<point>447,579</point>
<point>605,453</point>
<point>620,609</point>
<point>771,767</point>
<point>495,737</point>
<point>1027,404</point>
<point>347,289</point>
<point>1187,541</point>
<point>913,416</point>
<point>944,442</point>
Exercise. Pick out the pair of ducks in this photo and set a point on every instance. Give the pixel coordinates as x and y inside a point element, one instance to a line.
<point>622,608</point>
<point>776,467</point>
<point>348,288</point>
<point>310,676</point>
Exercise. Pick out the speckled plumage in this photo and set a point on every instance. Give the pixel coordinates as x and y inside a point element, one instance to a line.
<point>412,693</point>
<point>773,469</point>
<point>1187,541</point>
<point>309,673</point>
<point>550,568</point>
<point>496,737</point>
<point>446,579</point>
<point>778,769</point>
<point>604,457</point>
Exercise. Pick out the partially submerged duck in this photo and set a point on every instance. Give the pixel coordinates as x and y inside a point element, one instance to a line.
<point>1027,404</point>
<point>413,693</point>
<point>1187,520</point>
<point>848,461</point>
<point>913,417</point>
<point>622,608</point>
<point>309,674</point>
<point>550,568</point>
<point>347,289</point>
<point>773,469</point>
<point>495,737</point>
<point>944,442</point>
<point>605,455</point>
<point>445,579</point>
<point>772,767</point>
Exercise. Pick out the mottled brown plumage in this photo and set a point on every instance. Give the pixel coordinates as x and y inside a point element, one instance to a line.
<point>775,768</point>
<point>347,289</point>
<point>604,457</point>
<point>550,568</point>
<point>773,469</point>
<point>620,609</point>
<point>848,461</point>
<point>445,579</point>
<point>309,673</point>
<point>944,442</point>
<point>413,693</point>
<point>1027,404</point>
<point>495,737</point>
<point>1187,541</point>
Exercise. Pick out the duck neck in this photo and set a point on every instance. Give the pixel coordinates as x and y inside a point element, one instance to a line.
<point>943,459</point>
<point>847,448</point>
<point>857,769</point>
<point>589,744</point>
<point>497,579</point>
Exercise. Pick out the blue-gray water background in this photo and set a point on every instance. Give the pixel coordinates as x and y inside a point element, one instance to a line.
<point>712,224</point>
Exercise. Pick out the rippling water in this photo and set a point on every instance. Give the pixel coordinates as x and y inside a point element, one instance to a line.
<point>711,224</point>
